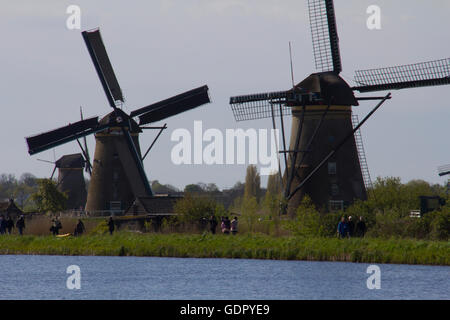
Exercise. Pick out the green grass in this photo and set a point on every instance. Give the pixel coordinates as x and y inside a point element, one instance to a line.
<point>368,250</point>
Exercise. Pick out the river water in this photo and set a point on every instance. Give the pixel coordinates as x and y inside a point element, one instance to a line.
<point>45,277</point>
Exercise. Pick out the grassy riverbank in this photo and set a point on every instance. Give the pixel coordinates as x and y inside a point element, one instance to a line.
<point>406,251</point>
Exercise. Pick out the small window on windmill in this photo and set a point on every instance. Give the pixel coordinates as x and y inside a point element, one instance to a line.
<point>331,167</point>
<point>115,176</point>
<point>334,189</point>
<point>336,205</point>
<point>115,206</point>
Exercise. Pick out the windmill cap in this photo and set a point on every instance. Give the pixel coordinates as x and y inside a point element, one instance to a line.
<point>75,160</point>
<point>330,86</point>
<point>117,117</point>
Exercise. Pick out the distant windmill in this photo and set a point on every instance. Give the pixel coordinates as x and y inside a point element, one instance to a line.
<point>70,179</point>
<point>118,175</point>
<point>321,108</point>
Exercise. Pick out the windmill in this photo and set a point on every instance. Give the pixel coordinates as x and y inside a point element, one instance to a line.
<point>118,175</point>
<point>321,109</point>
<point>71,179</point>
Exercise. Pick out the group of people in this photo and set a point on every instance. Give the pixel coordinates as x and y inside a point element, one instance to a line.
<point>79,228</point>
<point>7,224</point>
<point>226,225</point>
<point>56,226</point>
<point>347,228</point>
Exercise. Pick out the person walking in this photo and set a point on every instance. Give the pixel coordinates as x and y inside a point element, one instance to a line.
<point>212,224</point>
<point>79,229</point>
<point>342,228</point>
<point>9,224</point>
<point>111,225</point>
<point>56,226</point>
<point>53,227</point>
<point>20,224</point>
<point>234,226</point>
<point>2,224</point>
<point>222,224</point>
<point>361,227</point>
<point>225,225</point>
<point>351,227</point>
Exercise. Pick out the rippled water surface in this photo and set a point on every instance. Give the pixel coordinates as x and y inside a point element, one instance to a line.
<point>45,277</point>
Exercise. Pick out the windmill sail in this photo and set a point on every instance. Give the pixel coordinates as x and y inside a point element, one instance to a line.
<point>324,35</point>
<point>172,106</point>
<point>103,66</point>
<point>266,105</point>
<point>444,170</point>
<point>62,135</point>
<point>259,106</point>
<point>85,150</point>
<point>130,159</point>
<point>431,73</point>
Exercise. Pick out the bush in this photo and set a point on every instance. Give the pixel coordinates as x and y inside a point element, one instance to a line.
<point>329,222</point>
<point>48,198</point>
<point>170,224</point>
<point>100,229</point>
<point>389,193</point>
<point>388,224</point>
<point>307,222</point>
<point>433,226</point>
<point>194,211</point>
<point>440,225</point>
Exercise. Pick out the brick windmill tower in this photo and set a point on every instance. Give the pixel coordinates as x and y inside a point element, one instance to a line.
<point>71,179</point>
<point>325,159</point>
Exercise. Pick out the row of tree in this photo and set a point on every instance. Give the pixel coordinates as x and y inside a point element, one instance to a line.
<point>32,194</point>
<point>389,193</point>
<point>386,211</point>
<point>18,189</point>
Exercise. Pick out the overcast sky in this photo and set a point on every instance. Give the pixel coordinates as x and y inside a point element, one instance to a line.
<point>160,48</point>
